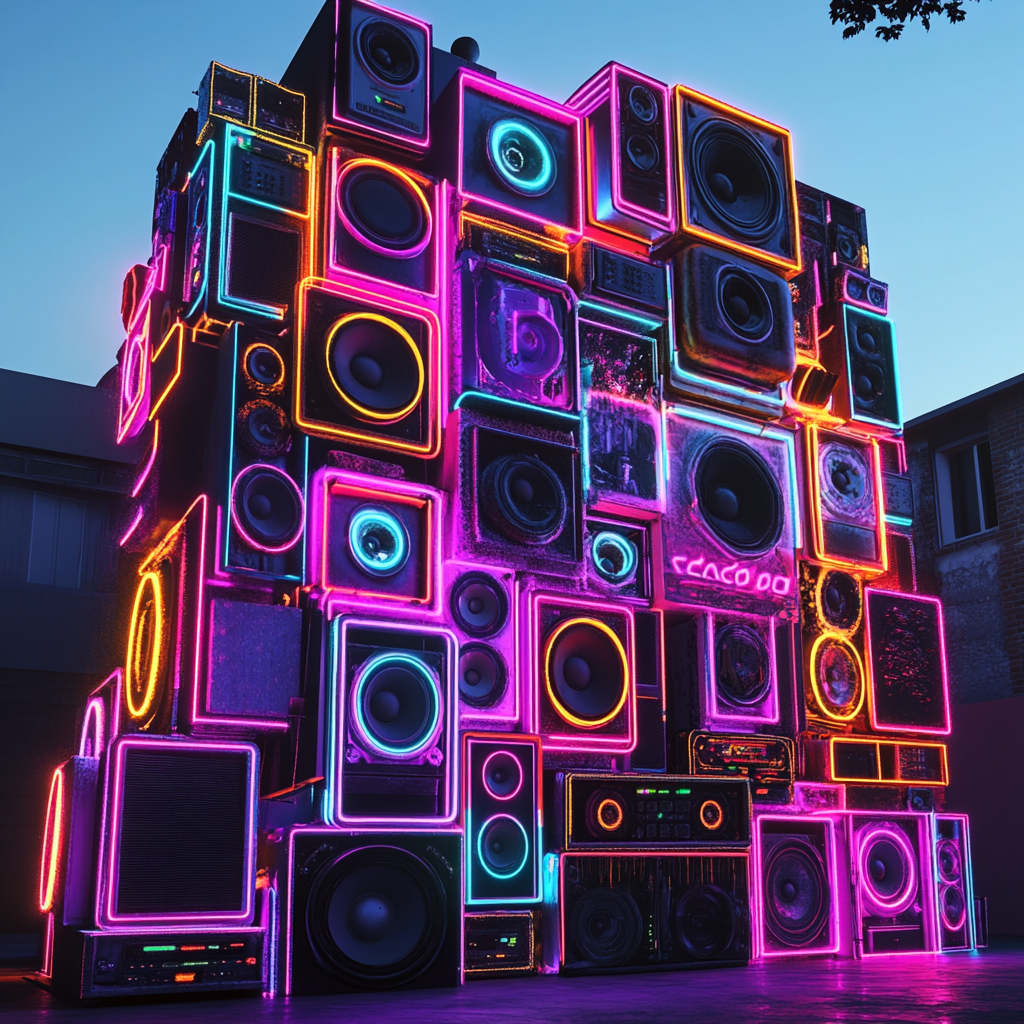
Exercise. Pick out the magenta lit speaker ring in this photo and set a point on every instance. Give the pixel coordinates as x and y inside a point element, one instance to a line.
<point>952,907</point>
<point>267,509</point>
<point>888,871</point>
<point>502,775</point>
<point>383,208</point>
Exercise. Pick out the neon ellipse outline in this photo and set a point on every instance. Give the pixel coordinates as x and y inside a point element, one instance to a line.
<point>52,838</point>
<point>842,641</point>
<point>243,533</point>
<point>480,842</point>
<point>549,168</point>
<point>721,815</point>
<point>259,385</point>
<point>906,896</point>
<point>393,523</point>
<point>373,414</point>
<point>483,775</point>
<point>95,712</point>
<point>152,578</point>
<point>562,711</point>
<point>618,807</point>
<point>402,254</point>
<point>625,546</point>
<point>949,925</point>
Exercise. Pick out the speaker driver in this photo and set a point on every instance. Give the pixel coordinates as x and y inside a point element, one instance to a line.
<point>263,429</point>
<point>378,542</point>
<point>263,368</point>
<point>478,604</point>
<point>840,600</point>
<point>744,304</point>
<point>396,703</point>
<point>521,157</point>
<point>846,485</point>
<point>950,865</point>
<point>837,677</point>
<point>502,775</point>
<point>868,382</point>
<point>384,209</point>
<point>643,152</point>
<point>795,893</point>
<point>376,917</point>
<point>524,499</point>
<point>388,53</point>
<point>267,508</point>
<point>606,815</point>
<point>887,870</point>
<point>503,846</point>
<point>642,104</point>
<point>614,556</point>
<point>586,672</point>
<point>738,496</point>
<point>482,678</point>
<point>953,907</point>
<point>736,179</point>
<point>606,926</point>
<point>375,366</point>
<point>705,921</point>
<point>743,672</point>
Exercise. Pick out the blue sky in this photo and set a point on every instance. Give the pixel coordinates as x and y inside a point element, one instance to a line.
<point>925,133</point>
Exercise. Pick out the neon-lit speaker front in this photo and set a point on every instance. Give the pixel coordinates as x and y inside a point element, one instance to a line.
<point>502,818</point>
<point>370,911</point>
<point>166,799</point>
<point>644,912</point>
<point>955,889</point>
<point>367,368</point>
<point>395,756</point>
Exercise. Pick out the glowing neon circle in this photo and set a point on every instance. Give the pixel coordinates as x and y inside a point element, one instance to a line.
<point>378,541</point>
<point>623,550</point>
<point>521,156</point>
<point>148,617</point>
<point>484,828</point>
<point>905,895</point>
<point>52,839</point>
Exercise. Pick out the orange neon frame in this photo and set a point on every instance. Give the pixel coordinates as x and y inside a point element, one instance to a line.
<point>177,328</point>
<point>878,744</point>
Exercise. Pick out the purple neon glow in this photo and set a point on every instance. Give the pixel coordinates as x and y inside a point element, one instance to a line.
<point>236,519</point>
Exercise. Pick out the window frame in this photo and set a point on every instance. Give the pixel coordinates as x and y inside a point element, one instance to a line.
<point>944,491</point>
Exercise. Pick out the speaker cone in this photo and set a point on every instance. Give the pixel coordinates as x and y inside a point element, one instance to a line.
<point>614,556</point>
<point>744,304</point>
<point>736,179</point>
<point>868,382</point>
<point>642,104</point>
<point>378,541</point>
<point>606,815</point>
<point>521,157</point>
<point>478,604</point>
<point>643,152</point>
<point>376,917</point>
<point>263,368</point>
<point>263,429</point>
<point>388,53</point>
<point>705,921</point>
<point>837,678</point>
<point>502,775</point>
<point>482,677</point>
<point>524,499</point>
<point>375,366</point>
<point>953,907</point>
<point>586,672</point>
<point>887,869</point>
<point>840,600</point>
<point>796,892</point>
<point>396,701</point>
<point>267,508</point>
<point>846,488</point>
<point>503,846</point>
<point>743,673</point>
<point>384,209</point>
<point>606,926</point>
<point>738,496</point>
<point>950,864</point>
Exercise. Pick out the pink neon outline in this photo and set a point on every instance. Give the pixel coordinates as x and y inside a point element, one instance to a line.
<point>107,916</point>
<point>449,729</point>
<point>95,712</point>
<point>967,883</point>
<point>757,886</point>
<point>889,908</point>
<point>943,730</point>
<point>358,127</point>
<point>483,772</point>
<point>133,410</point>
<point>709,681</point>
<point>367,243</point>
<point>46,968</point>
<point>147,468</point>
<point>134,525</point>
<point>539,107</point>
<point>251,541</point>
<point>578,739</point>
<point>110,690</point>
<point>340,598</point>
<point>846,298</point>
<point>605,86</point>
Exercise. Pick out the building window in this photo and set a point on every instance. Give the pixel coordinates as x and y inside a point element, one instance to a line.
<point>965,489</point>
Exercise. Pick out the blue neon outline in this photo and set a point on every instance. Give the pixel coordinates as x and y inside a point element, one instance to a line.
<point>479,848</point>
<point>888,424</point>
<point>899,521</point>
<point>625,545</point>
<point>392,523</point>
<point>366,671</point>
<point>540,185</point>
<point>211,148</point>
<point>622,314</point>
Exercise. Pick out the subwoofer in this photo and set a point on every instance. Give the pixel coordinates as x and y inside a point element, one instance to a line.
<point>179,842</point>
<point>796,896</point>
<point>907,659</point>
<point>629,152</point>
<point>395,760</point>
<point>371,911</point>
<point>367,368</point>
<point>736,183</point>
<point>955,890</point>
<point>517,335</point>
<point>637,912</point>
<point>502,818</point>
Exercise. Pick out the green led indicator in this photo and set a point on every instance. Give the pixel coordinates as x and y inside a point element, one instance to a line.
<point>660,815</point>
<point>378,99</point>
<point>682,792</point>
<point>159,949</point>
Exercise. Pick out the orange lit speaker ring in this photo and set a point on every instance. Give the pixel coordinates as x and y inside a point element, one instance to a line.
<point>840,641</point>
<point>150,582</point>
<point>717,815</point>
<point>373,414</point>
<point>52,839</point>
<point>585,723</point>
<point>616,808</point>
<point>255,384</point>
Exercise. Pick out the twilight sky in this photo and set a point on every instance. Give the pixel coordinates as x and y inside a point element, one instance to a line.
<point>925,133</point>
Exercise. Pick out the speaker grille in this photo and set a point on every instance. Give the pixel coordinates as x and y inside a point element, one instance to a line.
<point>263,262</point>
<point>184,831</point>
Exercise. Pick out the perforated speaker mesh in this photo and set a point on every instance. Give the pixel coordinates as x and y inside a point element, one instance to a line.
<point>263,262</point>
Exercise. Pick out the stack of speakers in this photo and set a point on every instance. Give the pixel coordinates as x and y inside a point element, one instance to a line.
<point>519,571</point>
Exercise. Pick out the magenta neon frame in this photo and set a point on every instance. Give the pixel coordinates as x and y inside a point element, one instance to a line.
<point>888,727</point>
<point>133,407</point>
<point>241,531</point>
<point>106,915</point>
<point>733,720</point>
<point>604,86</point>
<point>757,886</point>
<point>967,883</point>
<point>539,107</point>
<point>358,127</point>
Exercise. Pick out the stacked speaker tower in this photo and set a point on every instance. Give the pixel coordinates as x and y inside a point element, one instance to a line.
<point>519,573</point>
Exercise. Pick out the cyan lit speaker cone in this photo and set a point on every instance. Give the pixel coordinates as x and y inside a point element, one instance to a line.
<point>587,672</point>
<point>267,506</point>
<point>521,156</point>
<point>482,678</point>
<point>399,701</point>
<point>795,892</point>
<point>705,921</point>
<point>524,499</point>
<point>742,665</point>
<point>840,600</point>
<point>607,926</point>
<point>738,496</point>
<point>388,53</point>
<point>504,847</point>
<point>383,208</point>
<point>478,604</point>
<point>376,917</point>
